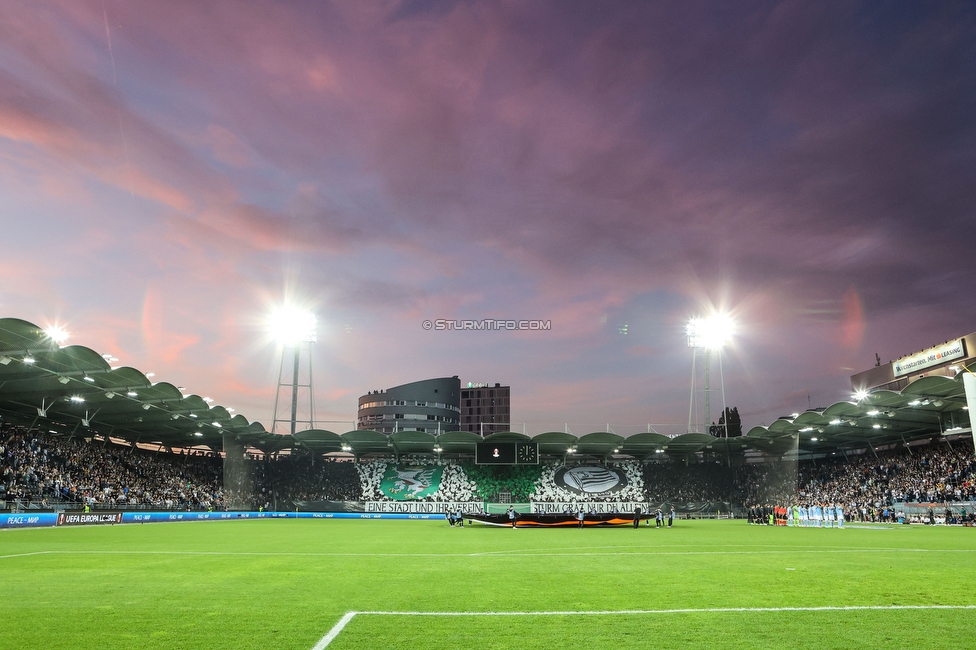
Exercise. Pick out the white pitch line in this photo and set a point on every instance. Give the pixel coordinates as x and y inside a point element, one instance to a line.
<point>4,557</point>
<point>334,632</point>
<point>511,554</point>
<point>338,627</point>
<point>699,610</point>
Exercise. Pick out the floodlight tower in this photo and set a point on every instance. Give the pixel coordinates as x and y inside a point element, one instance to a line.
<point>295,330</point>
<point>706,335</point>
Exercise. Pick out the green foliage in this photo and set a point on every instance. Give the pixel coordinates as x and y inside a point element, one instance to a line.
<point>492,479</point>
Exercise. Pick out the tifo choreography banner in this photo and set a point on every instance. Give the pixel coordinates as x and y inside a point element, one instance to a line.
<point>590,480</point>
<point>430,507</point>
<point>405,482</point>
<point>624,507</point>
<point>541,508</point>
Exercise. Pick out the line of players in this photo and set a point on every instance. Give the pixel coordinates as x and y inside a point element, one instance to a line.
<point>826,515</point>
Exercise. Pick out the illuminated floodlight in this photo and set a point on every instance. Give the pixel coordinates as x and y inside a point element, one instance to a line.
<point>57,334</point>
<point>873,412</point>
<point>198,434</point>
<point>713,332</point>
<point>860,395</point>
<point>132,393</point>
<point>291,325</point>
<point>813,439</point>
<point>836,421</point>
<point>29,360</point>
<point>77,399</point>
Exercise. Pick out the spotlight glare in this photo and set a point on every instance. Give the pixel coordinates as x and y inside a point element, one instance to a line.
<point>713,332</point>
<point>57,334</point>
<point>290,325</point>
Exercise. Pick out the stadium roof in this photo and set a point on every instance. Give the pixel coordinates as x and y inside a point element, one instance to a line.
<point>928,406</point>
<point>74,390</point>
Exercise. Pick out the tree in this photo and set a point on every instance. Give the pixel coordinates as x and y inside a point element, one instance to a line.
<point>731,416</point>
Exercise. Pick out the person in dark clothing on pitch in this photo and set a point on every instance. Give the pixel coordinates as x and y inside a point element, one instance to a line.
<point>637,514</point>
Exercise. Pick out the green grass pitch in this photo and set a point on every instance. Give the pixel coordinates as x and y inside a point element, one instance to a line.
<point>287,583</point>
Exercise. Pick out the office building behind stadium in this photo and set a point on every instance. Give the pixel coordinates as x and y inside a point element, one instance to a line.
<point>429,406</point>
<point>486,409</point>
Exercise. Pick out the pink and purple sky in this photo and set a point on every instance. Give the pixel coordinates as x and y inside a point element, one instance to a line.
<point>169,171</point>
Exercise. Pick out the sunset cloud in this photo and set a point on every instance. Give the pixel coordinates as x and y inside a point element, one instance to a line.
<point>166,168</point>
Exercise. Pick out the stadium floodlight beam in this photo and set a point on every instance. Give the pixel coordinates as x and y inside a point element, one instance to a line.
<point>294,329</point>
<point>705,336</point>
<point>57,334</point>
<point>290,326</point>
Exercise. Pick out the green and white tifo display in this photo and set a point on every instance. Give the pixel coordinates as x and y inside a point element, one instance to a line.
<point>342,584</point>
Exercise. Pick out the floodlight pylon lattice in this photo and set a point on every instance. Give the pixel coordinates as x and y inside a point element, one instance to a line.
<point>705,337</point>
<point>298,391</point>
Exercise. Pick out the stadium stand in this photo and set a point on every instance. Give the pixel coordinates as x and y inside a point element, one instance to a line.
<point>47,470</point>
<point>40,467</point>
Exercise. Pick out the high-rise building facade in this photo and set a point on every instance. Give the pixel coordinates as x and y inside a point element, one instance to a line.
<point>486,409</point>
<point>431,406</point>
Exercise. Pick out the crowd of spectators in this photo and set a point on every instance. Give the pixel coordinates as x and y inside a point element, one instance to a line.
<point>937,473</point>
<point>44,468</point>
<point>281,480</point>
<point>40,467</point>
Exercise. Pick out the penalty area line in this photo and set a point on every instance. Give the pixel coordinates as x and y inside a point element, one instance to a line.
<point>689,610</point>
<point>334,632</point>
<point>338,627</point>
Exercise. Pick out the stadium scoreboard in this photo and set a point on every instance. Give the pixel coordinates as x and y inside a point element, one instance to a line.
<point>507,453</point>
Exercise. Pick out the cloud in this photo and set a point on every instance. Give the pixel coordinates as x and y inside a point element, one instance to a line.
<point>811,164</point>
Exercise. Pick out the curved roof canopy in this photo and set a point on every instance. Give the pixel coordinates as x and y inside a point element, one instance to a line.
<point>928,406</point>
<point>73,389</point>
